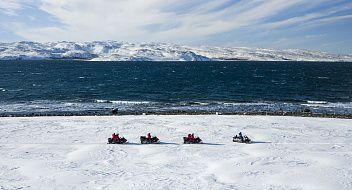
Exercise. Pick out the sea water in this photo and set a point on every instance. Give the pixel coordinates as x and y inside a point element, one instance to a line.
<point>86,88</point>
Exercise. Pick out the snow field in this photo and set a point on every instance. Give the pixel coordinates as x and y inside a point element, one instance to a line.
<point>71,153</point>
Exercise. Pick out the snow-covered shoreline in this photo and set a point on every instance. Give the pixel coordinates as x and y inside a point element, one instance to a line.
<point>71,153</point>
<point>123,51</point>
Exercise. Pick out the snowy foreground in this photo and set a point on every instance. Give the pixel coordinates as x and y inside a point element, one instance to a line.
<point>71,153</point>
<point>123,51</point>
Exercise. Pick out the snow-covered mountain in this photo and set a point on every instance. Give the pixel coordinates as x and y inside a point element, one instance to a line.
<point>121,51</point>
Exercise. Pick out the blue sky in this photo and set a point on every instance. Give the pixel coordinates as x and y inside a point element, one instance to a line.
<point>282,24</point>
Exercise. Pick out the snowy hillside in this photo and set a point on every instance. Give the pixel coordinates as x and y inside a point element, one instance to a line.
<point>117,51</point>
<point>71,153</point>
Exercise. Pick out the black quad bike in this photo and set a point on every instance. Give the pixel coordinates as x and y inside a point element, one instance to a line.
<point>153,140</point>
<point>241,139</point>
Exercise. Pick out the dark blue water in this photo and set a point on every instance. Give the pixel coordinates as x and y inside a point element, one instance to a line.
<point>206,87</point>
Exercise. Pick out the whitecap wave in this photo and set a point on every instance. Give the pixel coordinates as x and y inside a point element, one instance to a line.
<point>244,103</point>
<point>102,101</point>
<point>345,105</point>
<point>122,102</point>
<point>316,102</point>
<point>130,102</point>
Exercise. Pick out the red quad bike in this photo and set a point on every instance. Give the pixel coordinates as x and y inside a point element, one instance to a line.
<point>121,140</point>
<point>196,140</point>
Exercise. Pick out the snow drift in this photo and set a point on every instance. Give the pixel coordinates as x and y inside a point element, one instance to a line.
<point>71,153</point>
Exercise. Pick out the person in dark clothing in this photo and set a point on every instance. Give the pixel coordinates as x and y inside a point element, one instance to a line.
<point>240,135</point>
<point>149,137</point>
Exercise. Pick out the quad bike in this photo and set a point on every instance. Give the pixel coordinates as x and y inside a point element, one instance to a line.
<point>241,139</point>
<point>121,140</point>
<point>153,140</point>
<point>196,140</point>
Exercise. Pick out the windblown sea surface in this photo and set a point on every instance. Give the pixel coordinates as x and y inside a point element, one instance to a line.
<point>30,88</point>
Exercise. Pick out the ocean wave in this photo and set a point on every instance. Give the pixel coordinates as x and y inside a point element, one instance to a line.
<point>191,103</point>
<point>322,104</point>
<point>121,102</point>
<point>15,90</point>
<point>130,102</point>
<point>316,102</point>
<point>244,103</point>
<point>102,101</point>
<point>341,105</point>
<point>219,103</point>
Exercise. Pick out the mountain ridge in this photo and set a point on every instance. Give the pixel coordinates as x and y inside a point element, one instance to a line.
<point>124,51</point>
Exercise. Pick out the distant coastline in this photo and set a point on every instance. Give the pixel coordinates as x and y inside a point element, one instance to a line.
<point>175,61</point>
<point>123,51</point>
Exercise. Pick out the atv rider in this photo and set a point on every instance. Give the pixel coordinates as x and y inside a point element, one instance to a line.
<point>149,137</point>
<point>189,137</point>
<point>240,136</point>
<point>115,137</point>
